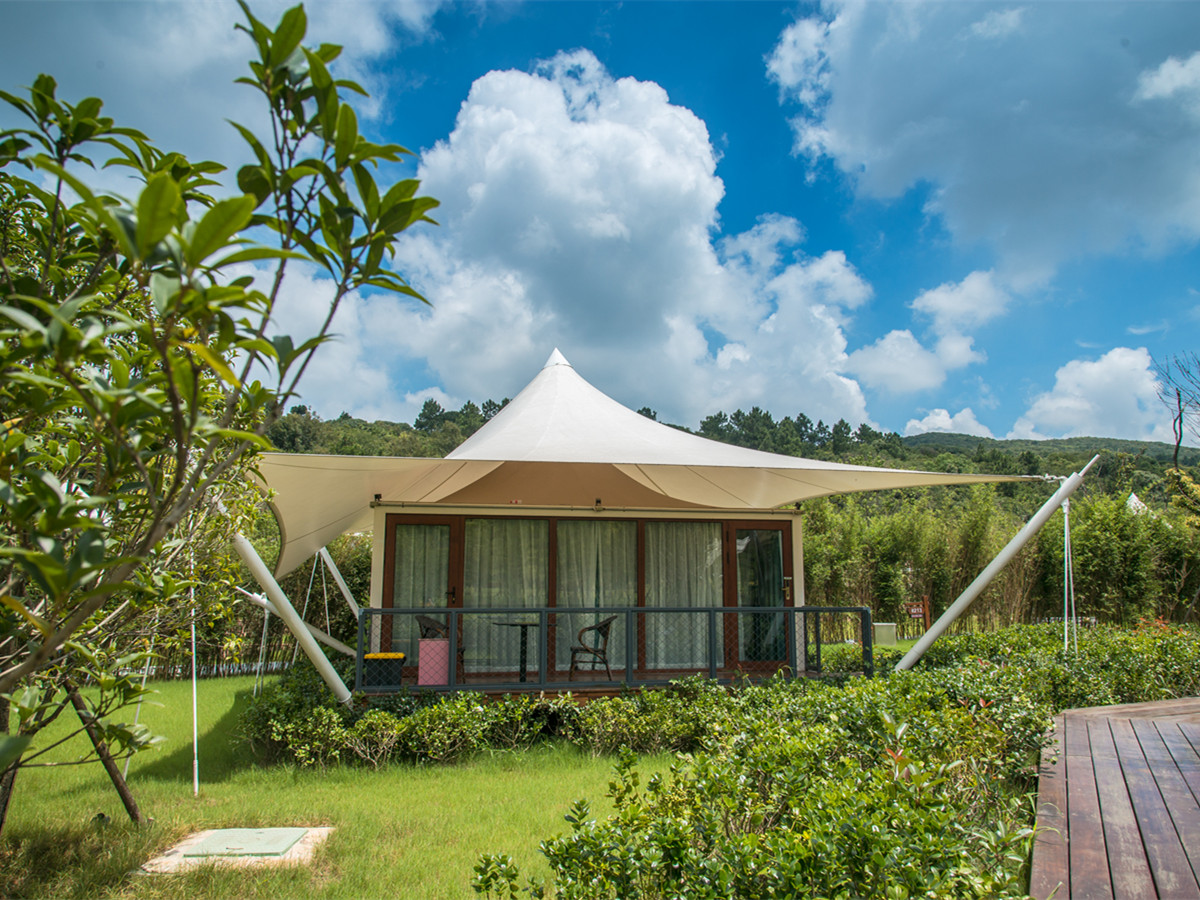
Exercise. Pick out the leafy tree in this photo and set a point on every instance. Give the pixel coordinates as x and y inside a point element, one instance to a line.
<point>136,375</point>
<point>755,429</point>
<point>491,407</point>
<point>297,432</point>
<point>469,418</point>
<point>431,416</point>
<point>840,437</point>
<point>716,427</point>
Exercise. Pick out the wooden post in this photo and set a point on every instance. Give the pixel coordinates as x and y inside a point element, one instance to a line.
<point>89,725</point>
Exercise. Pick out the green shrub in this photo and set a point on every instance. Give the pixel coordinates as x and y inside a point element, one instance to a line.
<point>677,718</point>
<point>273,718</point>
<point>318,738</point>
<point>374,737</point>
<point>787,819</point>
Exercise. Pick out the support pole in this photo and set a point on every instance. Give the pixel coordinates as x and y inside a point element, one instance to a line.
<point>341,582</point>
<point>284,609</point>
<point>195,714</point>
<point>967,597</point>
<point>328,641</point>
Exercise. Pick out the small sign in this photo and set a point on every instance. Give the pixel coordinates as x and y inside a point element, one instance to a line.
<point>916,610</point>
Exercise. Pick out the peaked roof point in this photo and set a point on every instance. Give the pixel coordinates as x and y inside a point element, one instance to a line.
<point>556,359</point>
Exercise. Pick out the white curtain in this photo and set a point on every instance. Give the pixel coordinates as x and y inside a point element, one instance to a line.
<point>421,570</point>
<point>506,564</point>
<point>597,567</point>
<point>683,569</point>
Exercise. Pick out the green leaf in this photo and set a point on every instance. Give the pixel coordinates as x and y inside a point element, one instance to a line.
<point>157,210</point>
<point>401,190</point>
<point>22,319</point>
<point>347,135</point>
<point>19,608</point>
<point>88,108</point>
<point>11,748</point>
<point>215,362</point>
<point>253,180</point>
<point>352,86</point>
<point>219,224</point>
<point>255,144</point>
<point>367,190</point>
<point>107,218</point>
<point>257,30</point>
<point>163,289</point>
<point>251,254</point>
<point>288,34</point>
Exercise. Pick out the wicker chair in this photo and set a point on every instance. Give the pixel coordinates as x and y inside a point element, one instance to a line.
<point>593,650</point>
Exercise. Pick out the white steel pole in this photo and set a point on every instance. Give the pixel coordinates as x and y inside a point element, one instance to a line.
<point>260,600</point>
<point>339,580</point>
<point>283,608</point>
<point>1066,574</point>
<point>195,717</point>
<point>967,597</point>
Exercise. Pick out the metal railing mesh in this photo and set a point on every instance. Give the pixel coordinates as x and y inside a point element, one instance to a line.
<point>526,648</point>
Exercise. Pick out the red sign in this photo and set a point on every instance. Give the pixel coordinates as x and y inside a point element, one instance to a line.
<point>916,610</point>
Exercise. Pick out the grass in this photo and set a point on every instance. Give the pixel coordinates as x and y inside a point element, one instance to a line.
<point>400,831</point>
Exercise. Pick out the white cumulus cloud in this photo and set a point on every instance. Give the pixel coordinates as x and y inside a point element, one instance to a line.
<point>962,422</point>
<point>972,302</point>
<point>579,210</point>
<point>1054,131</point>
<point>897,364</point>
<point>1115,395</point>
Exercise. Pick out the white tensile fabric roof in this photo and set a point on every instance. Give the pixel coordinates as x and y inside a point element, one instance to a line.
<point>560,443</point>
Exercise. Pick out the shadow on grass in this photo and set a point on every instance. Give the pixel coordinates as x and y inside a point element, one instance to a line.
<point>79,861</point>
<point>222,752</point>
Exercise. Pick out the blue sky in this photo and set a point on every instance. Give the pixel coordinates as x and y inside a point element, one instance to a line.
<point>973,217</point>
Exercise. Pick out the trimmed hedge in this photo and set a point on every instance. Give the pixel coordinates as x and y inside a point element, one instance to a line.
<point>1020,675</point>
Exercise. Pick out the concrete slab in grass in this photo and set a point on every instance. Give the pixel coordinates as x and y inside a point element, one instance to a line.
<point>241,847</point>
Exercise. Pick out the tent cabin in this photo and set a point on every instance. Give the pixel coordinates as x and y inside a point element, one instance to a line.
<point>572,542</point>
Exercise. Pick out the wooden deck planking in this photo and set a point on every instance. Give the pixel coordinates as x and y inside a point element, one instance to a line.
<point>1050,870</point>
<point>1119,814</point>
<point>1172,873</point>
<point>1086,847</point>
<point>1186,756</point>
<point>1131,877</point>
<point>1177,796</point>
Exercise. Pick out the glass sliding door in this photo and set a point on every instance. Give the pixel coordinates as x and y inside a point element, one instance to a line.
<point>505,565</point>
<point>597,568</point>
<point>422,567</point>
<point>683,569</point>
<point>759,562</point>
<point>421,578</point>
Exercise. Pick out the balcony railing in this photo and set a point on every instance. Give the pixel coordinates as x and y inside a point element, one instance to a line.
<point>548,648</point>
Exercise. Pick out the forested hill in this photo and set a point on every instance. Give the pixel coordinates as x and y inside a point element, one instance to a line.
<point>437,431</point>
<point>967,443</point>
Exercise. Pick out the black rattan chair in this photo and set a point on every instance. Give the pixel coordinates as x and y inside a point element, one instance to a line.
<point>594,652</point>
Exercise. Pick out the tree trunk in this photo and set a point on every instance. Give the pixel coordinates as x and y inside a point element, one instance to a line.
<point>85,716</point>
<point>6,789</point>
<point>9,775</point>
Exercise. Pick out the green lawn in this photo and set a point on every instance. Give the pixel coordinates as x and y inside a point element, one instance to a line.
<point>400,831</point>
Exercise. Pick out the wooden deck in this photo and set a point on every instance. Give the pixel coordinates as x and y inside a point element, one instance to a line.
<point>1119,804</point>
